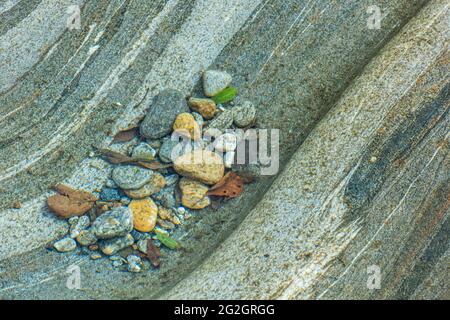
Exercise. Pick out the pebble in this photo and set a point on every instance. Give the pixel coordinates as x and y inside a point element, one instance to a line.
<point>186,125</point>
<point>142,245</point>
<point>172,179</point>
<point>226,142</point>
<point>244,115</point>
<point>114,223</point>
<point>86,238</point>
<point>193,194</point>
<point>206,107</point>
<point>215,81</point>
<point>111,184</point>
<point>145,213</point>
<point>82,223</point>
<point>144,151</point>
<point>131,177</point>
<point>110,194</point>
<point>165,224</point>
<point>112,246</point>
<point>198,118</point>
<point>223,121</point>
<point>139,235</point>
<point>201,165</point>
<point>228,159</point>
<point>65,245</point>
<point>167,197</point>
<point>162,113</point>
<point>156,183</point>
<point>165,152</point>
<point>95,256</point>
<point>168,214</point>
<point>134,263</point>
<point>73,220</point>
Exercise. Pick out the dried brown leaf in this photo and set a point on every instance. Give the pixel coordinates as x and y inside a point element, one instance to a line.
<point>230,186</point>
<point>126,135</point>
<point>119,158</point>
<point>153,253</point>
<point>70,202</point>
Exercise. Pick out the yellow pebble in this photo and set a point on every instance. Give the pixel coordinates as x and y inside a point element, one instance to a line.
<point>145,214</point>
<point>185,123</point>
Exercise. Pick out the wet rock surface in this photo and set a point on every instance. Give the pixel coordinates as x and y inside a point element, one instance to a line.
<point>114,223</point>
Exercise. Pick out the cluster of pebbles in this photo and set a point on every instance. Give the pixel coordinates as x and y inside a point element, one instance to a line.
<point>137,203</point>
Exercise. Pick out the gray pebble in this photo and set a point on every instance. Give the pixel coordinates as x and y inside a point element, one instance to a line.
<point>111,184</point>
<point>65,245</point>
<point>144,151</point>
<point>198,118</point>
<point>172,179</point>
<point>162,113</point>
<point>131,177</point>
<point>244,114</point>
<point>215,81</point>
<point>110,194</point>
<point>223,121</point>
<point>114,223</point>
<point>86,238</point>
<point>134,263</point>
<point>170,148</point>
<point>112,246</point>
<point>139,235</point>
<point>142,246</point>
<point>167,197</point>
<point>73,220</point>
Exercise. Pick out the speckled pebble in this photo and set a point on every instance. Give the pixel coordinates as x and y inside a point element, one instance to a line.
<point>86,238</point>
<point>244,115</point>
<point>131,177</point>
<point>225,142</point>
<point>215,81</point>
<point>144,151</point>
<point>205,107</point>
<point>82,223</point>
<point>134,264</point>
<point>156,183</point>
<point>112,246</point>
<point>223,121</point>
<point>193,194</point>
<point>172,179</point>
<point>65,245</point>
<point>145,213</point>
<point>110,194</point>
<point>114,223</point>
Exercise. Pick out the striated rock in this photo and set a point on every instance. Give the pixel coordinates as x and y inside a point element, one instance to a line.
<point>162,113</point>
<point>112,246</point>
<point>186,125</point>
<point>145,213</point>
<point>215,81</point>
<point>65,245</point>
<point>193,194</point>
<point>114,223</point>
<point>201,165</point>
<point>156,183</point>
<point>244,115</point>
<point>206,107</point>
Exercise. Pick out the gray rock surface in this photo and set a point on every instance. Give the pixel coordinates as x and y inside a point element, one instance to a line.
<point>114,223</point>
<point>162,113</point>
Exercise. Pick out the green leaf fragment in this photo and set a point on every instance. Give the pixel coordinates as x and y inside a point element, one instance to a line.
<point>167,241</point>
<point>226,95</point>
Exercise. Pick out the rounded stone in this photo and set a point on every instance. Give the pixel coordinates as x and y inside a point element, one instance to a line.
<point>65,245</point>
<point>201,165</point>
<point>86,238</point>
<point>226,142</point>
<point>215,81</point>
<point>193,194</point>
<point>244,115</point>
<point>156,183</point>
<point>186,125</point>
<point>223,121</point>
<point>206,107</point>
<point>162,113</point>
<point>131,177</point>
<point>144,151</point>
<point>112,246</point>
<point>134,264</point>
<point>170,149</point>
<point>145,213</point>
<point>114,223</point>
